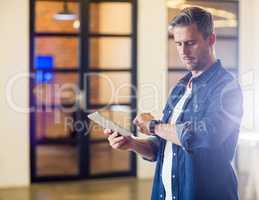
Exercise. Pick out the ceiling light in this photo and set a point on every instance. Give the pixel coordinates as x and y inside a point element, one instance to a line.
<point>65,14</point>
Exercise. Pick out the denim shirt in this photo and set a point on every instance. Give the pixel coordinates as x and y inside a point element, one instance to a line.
<point>208,130</point>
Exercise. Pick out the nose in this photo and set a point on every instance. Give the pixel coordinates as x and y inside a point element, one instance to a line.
<point>184,50</point>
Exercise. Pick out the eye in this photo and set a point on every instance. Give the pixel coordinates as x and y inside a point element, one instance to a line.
<point>190,43</point>
<point>178,44</point>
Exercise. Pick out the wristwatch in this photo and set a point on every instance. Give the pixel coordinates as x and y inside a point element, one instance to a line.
<point>152,125</point>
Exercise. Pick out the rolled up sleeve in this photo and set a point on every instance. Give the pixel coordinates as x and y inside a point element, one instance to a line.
<point>154,142</point>
<point>221,119</point>
<point>184,132</point>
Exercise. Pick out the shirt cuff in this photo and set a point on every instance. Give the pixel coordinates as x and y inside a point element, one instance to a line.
<point>184,133</point>
<point>154,142</point>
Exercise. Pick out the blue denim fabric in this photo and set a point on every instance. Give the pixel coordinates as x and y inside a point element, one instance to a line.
<point>208,130</point>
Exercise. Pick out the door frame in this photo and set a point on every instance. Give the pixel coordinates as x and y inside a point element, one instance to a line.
<point>84,36</point>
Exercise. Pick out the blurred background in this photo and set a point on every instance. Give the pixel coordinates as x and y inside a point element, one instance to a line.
<point>63,59</point>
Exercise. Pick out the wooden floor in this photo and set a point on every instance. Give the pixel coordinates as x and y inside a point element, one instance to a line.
<point>109,189</point>
<point>112,189</point>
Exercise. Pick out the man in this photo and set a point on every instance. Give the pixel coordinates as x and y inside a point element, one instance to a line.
<point>195,141</point>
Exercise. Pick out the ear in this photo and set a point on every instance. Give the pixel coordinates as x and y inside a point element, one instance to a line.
<point>171,32</point>
<point>212,39</point>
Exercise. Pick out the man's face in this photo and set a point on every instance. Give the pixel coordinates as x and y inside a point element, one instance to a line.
<point>193,49</point>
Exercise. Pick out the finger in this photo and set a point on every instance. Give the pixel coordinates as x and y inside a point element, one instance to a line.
<point>119,144</point>
<point>117,140</point>
<point>107,131</point>
<point>134,121</point>
<point>113,135</point>
<point>141,126</point>
<point>142,130</point>
<point>139,122</point>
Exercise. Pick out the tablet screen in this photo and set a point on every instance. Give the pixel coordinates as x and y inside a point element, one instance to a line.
<point>108,124</point>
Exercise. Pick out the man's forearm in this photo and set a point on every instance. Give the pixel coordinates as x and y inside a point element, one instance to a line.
<point>143,147</point>
<point>167,132</point>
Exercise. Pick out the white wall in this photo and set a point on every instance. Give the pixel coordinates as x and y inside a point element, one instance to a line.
<point>152,64</point>
<point>14,59</point>
<point>249,62</point>
<point>249,77</point>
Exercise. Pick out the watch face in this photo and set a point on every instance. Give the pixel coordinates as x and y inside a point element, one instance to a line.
<point>152,125</point>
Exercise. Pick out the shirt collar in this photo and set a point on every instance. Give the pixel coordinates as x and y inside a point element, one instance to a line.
<point>205,76</point>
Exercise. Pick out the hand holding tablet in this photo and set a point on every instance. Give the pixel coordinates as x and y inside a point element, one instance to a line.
<point>107,124</point>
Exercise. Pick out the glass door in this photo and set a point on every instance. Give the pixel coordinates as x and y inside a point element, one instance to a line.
<point>111,81</point>
<point>80,62</point>
<point>55,69</point>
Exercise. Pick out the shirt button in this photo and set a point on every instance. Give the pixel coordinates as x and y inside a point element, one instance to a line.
<point>173,176</point>
<point>174,197</point>
<point>161,196</point>
<point>196,108</point>
<point>174,154</point>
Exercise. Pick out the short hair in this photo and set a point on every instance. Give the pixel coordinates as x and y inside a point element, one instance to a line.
<point>195,15</point>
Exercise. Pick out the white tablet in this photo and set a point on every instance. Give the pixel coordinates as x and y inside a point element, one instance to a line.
<point>106,123</point>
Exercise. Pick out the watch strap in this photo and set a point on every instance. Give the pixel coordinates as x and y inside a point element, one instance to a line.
<point>152,125</point>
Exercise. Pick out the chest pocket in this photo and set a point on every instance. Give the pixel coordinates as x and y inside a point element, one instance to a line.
<point>199,109</point>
